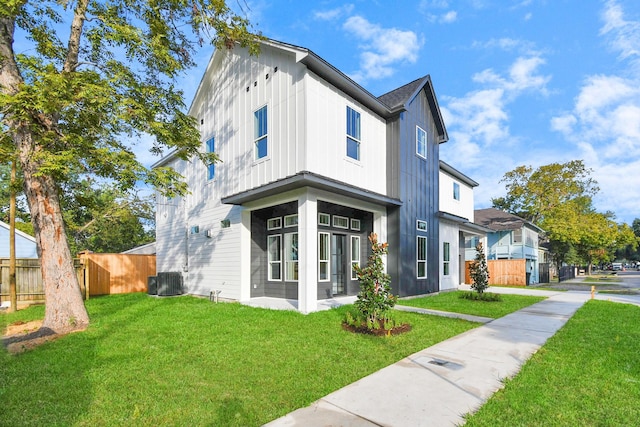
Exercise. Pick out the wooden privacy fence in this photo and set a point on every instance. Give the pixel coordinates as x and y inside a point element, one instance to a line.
<point>98,274</point>
<point>503,272</point>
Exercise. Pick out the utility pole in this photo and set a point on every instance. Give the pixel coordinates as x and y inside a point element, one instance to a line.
<point>13,295</point>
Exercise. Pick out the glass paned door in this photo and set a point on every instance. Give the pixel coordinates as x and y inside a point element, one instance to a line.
<point>338,263</point>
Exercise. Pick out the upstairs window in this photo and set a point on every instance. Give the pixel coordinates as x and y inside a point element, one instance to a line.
<point>211,169</point>
<point>260,133</point>
<point>353,134</point>
<point>456,191</point>
<point>421,142</point>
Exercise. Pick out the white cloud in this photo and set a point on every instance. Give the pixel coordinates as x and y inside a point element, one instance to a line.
<point>624,35</point>
<point>333,14</point>
<point>604,122</point>
<point>383,48</point>
<point>449,17</point>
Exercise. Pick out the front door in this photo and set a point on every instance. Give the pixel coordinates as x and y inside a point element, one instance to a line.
<point>338,263</point>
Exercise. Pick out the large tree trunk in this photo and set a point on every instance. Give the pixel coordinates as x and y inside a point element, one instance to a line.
<point>65,308</point>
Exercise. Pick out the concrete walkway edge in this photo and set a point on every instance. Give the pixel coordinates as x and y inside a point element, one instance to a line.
<point>440,384</point>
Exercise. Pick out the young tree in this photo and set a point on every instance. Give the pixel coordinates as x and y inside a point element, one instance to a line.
<point>375,299</point>
<point>67,105</point>
<point>479,271</point>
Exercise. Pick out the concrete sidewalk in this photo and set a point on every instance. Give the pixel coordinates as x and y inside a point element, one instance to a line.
<point>439,385</point>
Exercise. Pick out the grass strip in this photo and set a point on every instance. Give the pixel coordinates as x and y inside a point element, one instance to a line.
<point>588,374</point>
<point>451,301</point>
<point>148,361</point>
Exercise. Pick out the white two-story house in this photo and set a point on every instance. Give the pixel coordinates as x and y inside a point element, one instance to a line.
<point>311,164</point>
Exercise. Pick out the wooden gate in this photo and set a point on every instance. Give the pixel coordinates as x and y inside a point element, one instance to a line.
<point>503,272</point>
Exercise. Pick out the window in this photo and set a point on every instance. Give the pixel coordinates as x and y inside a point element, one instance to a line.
<point>195,229</point>
<point>323,257</point>
<point>340,222</point>
<point>456,191</point>
<point>355,224</point>
<point>275,260</point>
<point>472,242</point>
<point>517,236</point>
<point>446,257</point>
<point>291,220</point>
<point>355,256</point>
<point>421,142</point>
<point>421,225</point>
<point>260,133</point>
<point>274,223</point>
<point>353,134</point>
<point>291,256</point>
<point>211,169</point>
<point>422,257</point>
<point>324,219</point>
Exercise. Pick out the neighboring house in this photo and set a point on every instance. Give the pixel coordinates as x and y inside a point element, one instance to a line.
<point>512,238</point>
<point>25,244</point>
<point>456,224</point>
<point>148,249</point>
<point>312,163</point>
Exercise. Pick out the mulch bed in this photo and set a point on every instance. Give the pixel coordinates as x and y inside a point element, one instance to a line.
<point>400,329</point>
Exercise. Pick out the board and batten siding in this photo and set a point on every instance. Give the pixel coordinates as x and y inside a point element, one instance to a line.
<point>416,186</point>
<point>237,85</point>
<point>463,207</point>
<point>326,116</point>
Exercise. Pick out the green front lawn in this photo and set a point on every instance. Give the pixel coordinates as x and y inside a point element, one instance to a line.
<point>588,374</point>
<point>147,361</point>
<point>451,301</point>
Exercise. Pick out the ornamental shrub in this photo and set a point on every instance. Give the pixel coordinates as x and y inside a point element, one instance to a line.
<point>479,271</point>
<point>375,299</point>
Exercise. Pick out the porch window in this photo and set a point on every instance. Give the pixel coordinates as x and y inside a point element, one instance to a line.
<point>323,257</point>
<point>340,221</point>
<point>324,219</point>
<point>421,257</point>
<point>291,256</point>
<point>421,142</point>
<point>291,220</point>
<point>274,243</point>
<point>355,256</point>
<point>446,257</point>
<point>260,133</point>
<point>355,224</point>
<point>353,134</point>
<point>274,223</point>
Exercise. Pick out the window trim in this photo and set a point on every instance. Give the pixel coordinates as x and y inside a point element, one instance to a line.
<point>356,224</point>
<point>324,215</point>
<point>270,261</point>
<point>326,261</point>
<point>419,223</point>
<point>446,258</point>
<point>293,260</point>
<point>419,130</point>
<point>357,139</point>
<point>274,227</point>
<point>456,191</point>
<point>344,227</point>
<point>210,145</point>
<point>290,219</point>
<point>258,138</point>
<point>421,261</point>
<point>354,261</point>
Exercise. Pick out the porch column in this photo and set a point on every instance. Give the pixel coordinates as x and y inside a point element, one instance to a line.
<point>245,257</point>
<point>308,252</point>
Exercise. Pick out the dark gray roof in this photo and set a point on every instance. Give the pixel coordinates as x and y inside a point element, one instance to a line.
<point>399,97</point>
<point>498,220</point>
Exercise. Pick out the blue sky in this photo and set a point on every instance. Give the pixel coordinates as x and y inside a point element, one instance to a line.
<point>523,82</point>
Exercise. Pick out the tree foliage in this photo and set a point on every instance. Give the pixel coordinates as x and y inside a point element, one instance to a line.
<point>479,271</point>
<point>84,77</point>
<point>558,198</point>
